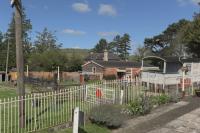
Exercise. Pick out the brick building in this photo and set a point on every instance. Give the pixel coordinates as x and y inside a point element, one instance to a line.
<point>109,64</point>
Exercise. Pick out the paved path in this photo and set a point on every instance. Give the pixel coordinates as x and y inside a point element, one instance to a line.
<point>182,117</point>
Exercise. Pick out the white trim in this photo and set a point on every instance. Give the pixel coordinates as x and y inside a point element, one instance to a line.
<point>86,63</point>
<point>92,62</point>
<point>153,57</point>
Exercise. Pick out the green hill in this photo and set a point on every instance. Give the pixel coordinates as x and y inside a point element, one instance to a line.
<point>79,52</point>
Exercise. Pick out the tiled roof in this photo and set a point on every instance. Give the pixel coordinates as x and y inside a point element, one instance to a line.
<point>121,64</point>
<point>175,59</point>
<point>99,56</point>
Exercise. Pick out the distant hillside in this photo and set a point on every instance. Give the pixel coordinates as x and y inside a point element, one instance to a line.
<point>80,52</point>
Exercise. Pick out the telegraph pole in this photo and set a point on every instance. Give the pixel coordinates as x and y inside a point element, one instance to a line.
<point>19,59</point>
<point>7,58</point>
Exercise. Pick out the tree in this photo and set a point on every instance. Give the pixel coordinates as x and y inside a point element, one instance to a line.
<point>46,41</point>
<point>191,37</point>
<point>124,47</point>
<point>48,61</point>
<point>10,37</point>
<point>75,63</point>
<point>2,52</point>
<point>169,41</point>
<point>101,46</point>
<point>114,45</point>
<point>140,53</point>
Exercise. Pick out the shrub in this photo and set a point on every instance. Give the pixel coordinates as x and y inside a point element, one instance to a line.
<point>162,99</point>
<point>141,106</point>
<point>107,115</point>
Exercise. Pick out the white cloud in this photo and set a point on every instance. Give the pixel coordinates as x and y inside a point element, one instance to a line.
<point>81,7</point>
<point>73,32</point>
<point>107,34</point>
<point>106,9</point>
<point>185,2</point>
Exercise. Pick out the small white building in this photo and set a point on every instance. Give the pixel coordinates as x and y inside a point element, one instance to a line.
<point>170,71</point>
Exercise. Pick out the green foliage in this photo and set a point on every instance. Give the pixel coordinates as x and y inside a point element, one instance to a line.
<point>162,99</point>
<point>124,47</point>
<point>46,41</point>
<point>9,37</point>
<point>101,46</point>
<point>107,115</point>
<point>48,61</point>
<point>120,45</point>
<point>169,42</point>
<point>191,37</point>
<point>141,106</point>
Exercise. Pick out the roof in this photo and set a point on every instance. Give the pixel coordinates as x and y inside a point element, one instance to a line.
<point>121,64</point>
<point>188,60</point>
<point>166,59</point>
<point>100,56</point>
<point>175,59</point>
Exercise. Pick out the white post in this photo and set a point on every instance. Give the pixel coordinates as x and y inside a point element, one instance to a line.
<point>164,68</point>
<point>192,79</point>
<point>131,75</point>
<point>142,64</point>
<point>148,81</point>
<point>183,80</point>
<point>121,97</point>
<point>58,78</point>
<point>76,120</point>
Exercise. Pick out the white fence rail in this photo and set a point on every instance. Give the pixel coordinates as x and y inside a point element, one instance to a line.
<point>167,79</point>
<point>44,110</point>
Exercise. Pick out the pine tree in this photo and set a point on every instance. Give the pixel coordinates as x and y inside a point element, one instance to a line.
<point>10,37</point>
<point>124,47</point>
<point>46,41</point>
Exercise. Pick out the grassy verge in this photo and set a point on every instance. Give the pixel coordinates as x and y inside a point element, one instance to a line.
<point>7,91</point>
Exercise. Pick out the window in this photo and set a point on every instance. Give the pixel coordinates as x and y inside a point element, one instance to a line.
<point>94,69</point>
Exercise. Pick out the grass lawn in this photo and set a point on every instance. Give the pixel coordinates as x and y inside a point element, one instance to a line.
<point>7,91</point>
<point>89,128</point>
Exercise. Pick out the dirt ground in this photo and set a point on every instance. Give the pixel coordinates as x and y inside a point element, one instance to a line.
<point>177,115</point>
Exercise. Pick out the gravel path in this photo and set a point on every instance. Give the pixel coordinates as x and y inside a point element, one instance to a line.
<point>168,119</point>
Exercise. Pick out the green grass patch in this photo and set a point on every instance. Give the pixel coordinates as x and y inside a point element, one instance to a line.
<point>7,91</point>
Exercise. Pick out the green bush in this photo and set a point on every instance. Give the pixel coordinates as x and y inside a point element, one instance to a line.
<point>140,106</point>
<point>107,115</point>
<point>162,99</point>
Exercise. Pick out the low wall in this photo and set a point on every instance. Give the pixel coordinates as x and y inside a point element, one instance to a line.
<point>49,75</point>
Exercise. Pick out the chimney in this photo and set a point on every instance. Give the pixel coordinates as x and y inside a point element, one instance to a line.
<point>105,55</point>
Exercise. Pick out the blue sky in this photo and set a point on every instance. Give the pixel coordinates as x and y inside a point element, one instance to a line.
<point>81,23</point>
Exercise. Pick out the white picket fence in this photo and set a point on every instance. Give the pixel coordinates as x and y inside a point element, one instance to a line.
<point>44,110</point>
